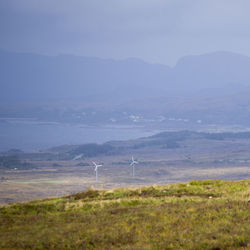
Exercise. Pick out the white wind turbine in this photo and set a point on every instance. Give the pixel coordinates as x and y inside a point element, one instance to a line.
<point>78,157</point>
<point>96,170</point>
<point>133,162</point>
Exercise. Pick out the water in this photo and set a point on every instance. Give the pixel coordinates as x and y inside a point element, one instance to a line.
<point>30,135</point>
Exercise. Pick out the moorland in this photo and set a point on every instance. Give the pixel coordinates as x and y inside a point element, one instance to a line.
<point>208,214</point>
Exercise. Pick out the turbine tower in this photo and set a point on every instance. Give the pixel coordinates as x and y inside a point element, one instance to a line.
<point>96,170</point>
<point>133,162</point>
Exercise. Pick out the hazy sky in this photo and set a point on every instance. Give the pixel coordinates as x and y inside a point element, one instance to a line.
<point>154,30</point>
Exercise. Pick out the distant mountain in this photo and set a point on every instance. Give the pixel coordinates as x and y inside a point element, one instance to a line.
<point>213,71</point>
<point>212,87</point>
<point>32,77</point>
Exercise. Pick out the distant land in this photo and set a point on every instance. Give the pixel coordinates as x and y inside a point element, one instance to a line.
<point>211,88</point>
<point>167,157</point>
<point>33,77</point>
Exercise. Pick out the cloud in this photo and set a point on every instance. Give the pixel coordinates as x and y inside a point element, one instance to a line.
<point>156,30</point>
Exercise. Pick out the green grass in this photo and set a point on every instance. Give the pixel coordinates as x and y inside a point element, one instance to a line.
<point>208,214</point>
<point>38,181</point>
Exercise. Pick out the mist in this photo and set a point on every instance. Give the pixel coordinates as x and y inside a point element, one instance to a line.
<point>159,65</point>
<point>156,31</point>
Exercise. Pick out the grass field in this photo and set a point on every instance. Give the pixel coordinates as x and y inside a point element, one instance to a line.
<point>209,214</point>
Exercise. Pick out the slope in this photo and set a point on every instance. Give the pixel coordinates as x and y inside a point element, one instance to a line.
<point>196,215</point>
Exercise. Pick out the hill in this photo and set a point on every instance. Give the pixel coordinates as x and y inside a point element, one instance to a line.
<point>163,140</point>
<point>195,215</point>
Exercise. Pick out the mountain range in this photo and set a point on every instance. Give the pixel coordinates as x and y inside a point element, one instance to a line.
<point>216,84</point>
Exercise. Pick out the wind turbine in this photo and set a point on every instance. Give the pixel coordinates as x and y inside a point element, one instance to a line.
<point>78,157</point>
<point>96,170</point>
<point>133,162</point>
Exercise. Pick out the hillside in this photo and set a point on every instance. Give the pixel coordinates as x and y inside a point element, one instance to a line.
<point>163,140</point>
<point>195,215</point>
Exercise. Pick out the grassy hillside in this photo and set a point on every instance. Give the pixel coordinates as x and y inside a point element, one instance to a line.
<point>209,214</point>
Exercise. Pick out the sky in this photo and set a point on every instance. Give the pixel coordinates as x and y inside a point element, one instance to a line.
<point>157,31</point>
